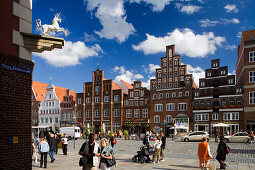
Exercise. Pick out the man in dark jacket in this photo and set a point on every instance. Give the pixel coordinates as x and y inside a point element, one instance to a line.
<point>162,148</point>
<point>52,144</point>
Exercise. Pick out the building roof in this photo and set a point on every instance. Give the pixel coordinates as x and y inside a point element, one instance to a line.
<point>248,35</point>
<point>40,90</point>
<point>128,85</point>
<point>115,86</point>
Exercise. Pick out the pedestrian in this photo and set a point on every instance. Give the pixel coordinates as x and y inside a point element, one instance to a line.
<point>112,141</point>
<point>146,140</point>
<point>42,135</point>
<point>162,148</point>
<point>251,135</point>
<point>52,144</point>
<point>157,147</point>
<point>48,136</point>
<point>34,152</point>
<point>106,153</point>
<point>57,141</point>
<point>222,151</point>
<point>90,152</point>
<point>43,150</point>
<point>204,153</point>
<point>64,144</point>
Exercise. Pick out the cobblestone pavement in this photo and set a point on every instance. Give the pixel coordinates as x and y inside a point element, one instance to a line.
<point>179,155</point>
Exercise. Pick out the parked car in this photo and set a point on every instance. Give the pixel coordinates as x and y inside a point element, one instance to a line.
<point>195,136</point>
<point>238,137</point>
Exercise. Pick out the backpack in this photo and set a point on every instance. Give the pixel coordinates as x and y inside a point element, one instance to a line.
<point>114,141</point>
<point>144,140</point>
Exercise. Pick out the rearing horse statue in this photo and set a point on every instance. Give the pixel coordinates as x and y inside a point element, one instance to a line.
<point>54,27</point>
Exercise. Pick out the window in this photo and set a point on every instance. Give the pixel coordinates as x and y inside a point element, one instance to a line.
<point>106,112</point>
<point>202,117</point>
<point>231,102</point>
<point>176,62</point>
<point>182,72</point>
<point>182,106</point>
<point>252,97</point>
<point>50,120</point>
<point>175,84</point>
<point>97,99</point>
<point>42,119</point>
<point>49,103</point>
<point>170,85</point>
<point>170,74</point>
<point>145,113</point>
<point>50,96</point>
<point>141,103</point>
<point>116,98</point>
<point>168,118</point>
<point>137,85</point>
<point>136,103</point>
<point>173,95</point>
<point>88,113</point>
<point>142,93</point>
<point>170,107</point>
<point>222,72</point>
<point>196,94</point>
<point>158,107</point>
<point>160,95</point>
<point>230,81</point>
<point>79,101</point>
<point>223,103</point>
<point>157,119</point>
<point>231,116</point>
<point>202,84</point>
<point>176,74</point>
<point>167,95</point>
<point>180,94</point>
<point>106,99</point>
<point>252,76</point>
<point>53,103</point>
<point>131,103</point>
<point>159,86</point>
<point>97,113</point>
<point>209,74</point>
<point>46,120</point>
<point>136,94</point>
<point>154,96</point>
<point>79,114</point>
<point>56,120</point>
<point>116,127</point>
<point>239,102</point>
<point>187,93</point>
<point>131,94</point>
<point>215,116</point>
<point>88,99</point>
<point>116,112</point>
<point>129,113</point>
<point>126,102</point>
<point>252,56</point>
<point>97,88</point>
<point>137,113</point>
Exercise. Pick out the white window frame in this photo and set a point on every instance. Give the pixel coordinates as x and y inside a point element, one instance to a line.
<point>88,99</point>
<point>170,107</point>
<point>201,117</point>
<point>252,97</point>
<point>180,94</point>
<point>137,113</point>
<point>106,112</point>
<point>97,89</point>
<point>79,114</point>
<point>157,119</point>
<point>251,76</point>
<point>142,93</point>
<point>88,113</point>
<point>145,113</point>
<point>173,95</point>
<point>116,98</point>
<point>231,116</point>
<point>182,106</point>
<point>168,118</point>
<point>129,113</point>
<point>167,95</point>
<point>251,56</point>
<point>79,101</point>
<point>159,108</point>
<point>97,99</point>
<point>97,113</point>
<point>116,112</point>
<point>215,116</point>
<point>131,94</point>
<point>106,99</point>
<point>187,93</point>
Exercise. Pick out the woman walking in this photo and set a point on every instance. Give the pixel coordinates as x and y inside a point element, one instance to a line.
<point>106,153</point>
<point>222,151</point>
<point>43,150</point>
<point>157,147</point>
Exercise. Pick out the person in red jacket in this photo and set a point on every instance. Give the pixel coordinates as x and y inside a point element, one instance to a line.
<point>204,153</point>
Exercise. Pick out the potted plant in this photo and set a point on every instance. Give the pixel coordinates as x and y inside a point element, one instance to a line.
<point>126,134</point>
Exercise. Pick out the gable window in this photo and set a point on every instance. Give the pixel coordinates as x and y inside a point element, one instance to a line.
<point>97,89</point>
<point>136,94</point>
<point>116,98</point>
<point>142,93</point>
<point>131,94</point>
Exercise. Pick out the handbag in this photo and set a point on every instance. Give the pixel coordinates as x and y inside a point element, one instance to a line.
<point>111,162</point>
<point>81,162</point>
<point>227,150</point>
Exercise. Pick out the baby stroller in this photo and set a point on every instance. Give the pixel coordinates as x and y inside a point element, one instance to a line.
<point>143,154</point>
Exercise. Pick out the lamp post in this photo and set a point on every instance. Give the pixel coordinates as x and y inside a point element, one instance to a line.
<point>74,132</point>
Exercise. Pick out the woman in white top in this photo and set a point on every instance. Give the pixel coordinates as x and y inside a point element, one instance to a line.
<point>157,146</point>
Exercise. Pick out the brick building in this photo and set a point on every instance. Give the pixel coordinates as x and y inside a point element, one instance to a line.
<point>171,94</point>
<point>245,76</point>
<point>103,103</point>
<point>67,107</point>
<point>79,114</point>
<point>218,100</point>
<point>136,109</point>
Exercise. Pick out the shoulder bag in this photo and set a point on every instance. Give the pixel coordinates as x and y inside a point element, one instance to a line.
<point>111,162</point>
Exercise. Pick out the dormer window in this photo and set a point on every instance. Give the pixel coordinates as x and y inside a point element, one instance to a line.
<point>202,84</point>
<point>209,74</point>
<point>223,72</point>
<point>230,81</point>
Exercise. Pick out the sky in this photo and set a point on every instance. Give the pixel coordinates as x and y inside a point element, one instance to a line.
<point>127,38</point>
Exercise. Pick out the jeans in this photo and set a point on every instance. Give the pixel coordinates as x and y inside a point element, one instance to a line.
<point>43,159</point>
<point>51,153</point>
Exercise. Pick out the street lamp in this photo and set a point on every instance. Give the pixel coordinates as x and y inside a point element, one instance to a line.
<point>74,132</point>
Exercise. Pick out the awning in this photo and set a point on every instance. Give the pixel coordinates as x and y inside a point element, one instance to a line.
<point>220,125</point>
<point>35,127</point>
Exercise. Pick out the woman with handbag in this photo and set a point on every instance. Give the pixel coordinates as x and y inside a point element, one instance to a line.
<point>106,155</point>
<point>222,151</point>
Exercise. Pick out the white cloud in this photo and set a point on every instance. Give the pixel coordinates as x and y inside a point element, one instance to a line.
<point>156,5</point>
<point>126,75</point>
<point>239,34</point>
<point>187,9</point>
<point>185,40</point>
<point>112,16</point>
<point>231,47</point>
<point>197,73</point>
<point>153,67</point>
<point>231,8</point>
<point>89,38</point>
<point>70,54</point>
<point>147,83</point>
<point>223,21</point>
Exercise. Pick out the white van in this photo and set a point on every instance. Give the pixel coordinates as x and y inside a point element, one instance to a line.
<point>69,131</point>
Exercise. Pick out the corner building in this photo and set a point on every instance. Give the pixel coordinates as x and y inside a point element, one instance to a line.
<point>103,103</point>
<point>171,95</point>
<point>245,76</point>
<point>218,100</point>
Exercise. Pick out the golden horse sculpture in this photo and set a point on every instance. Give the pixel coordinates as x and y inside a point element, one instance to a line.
<point>54,27</point>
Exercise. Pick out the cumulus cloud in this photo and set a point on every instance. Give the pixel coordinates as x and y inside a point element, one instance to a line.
<point>151,68</point>
<point>156,5</point>
<point>70,54</point>
<point>185,40</point>
<point>147,83</point>
<point>112,17</point>
<point>197,73</point>
<point>231,47</point>
<point>187,9</point>
<point>231,8</point>
<point>89,38</point>
<point>224,21</point>
<point>126,75</point>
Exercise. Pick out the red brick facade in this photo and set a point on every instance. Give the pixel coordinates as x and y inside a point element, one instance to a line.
<point>67,107</point>
<point>79,114</point>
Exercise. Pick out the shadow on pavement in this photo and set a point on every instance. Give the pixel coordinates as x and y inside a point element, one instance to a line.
<point>185,166</point>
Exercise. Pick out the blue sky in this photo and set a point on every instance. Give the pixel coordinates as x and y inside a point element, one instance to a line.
<point>128,37</point>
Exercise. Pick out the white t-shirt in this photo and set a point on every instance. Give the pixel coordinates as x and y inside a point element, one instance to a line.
<point>64,140</point>
<point>158,144</point>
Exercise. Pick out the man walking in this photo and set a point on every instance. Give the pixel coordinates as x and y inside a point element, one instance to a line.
<point>52,144</point>
<point>64,144</point>
<point>163,145</point>
<point>204,153</point>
